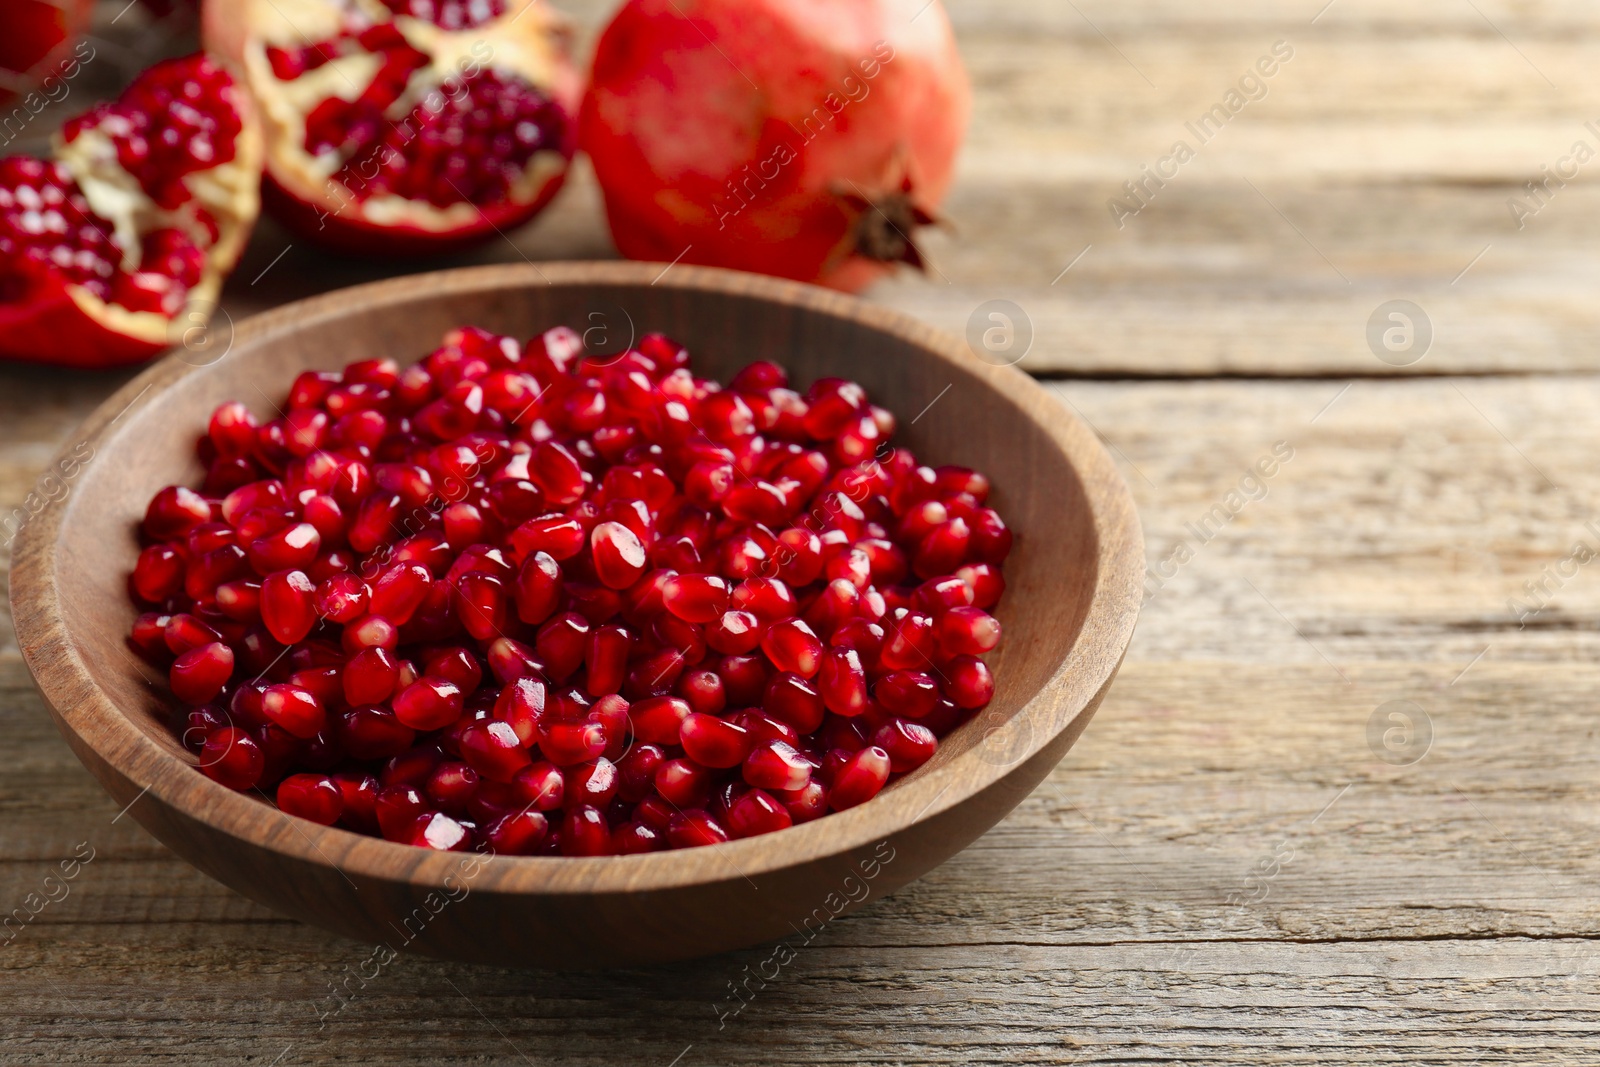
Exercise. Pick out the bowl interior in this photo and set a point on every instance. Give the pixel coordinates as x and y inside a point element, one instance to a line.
<point>949,408</point>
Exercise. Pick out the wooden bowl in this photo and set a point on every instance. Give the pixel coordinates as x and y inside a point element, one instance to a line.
<point>1074,591</point>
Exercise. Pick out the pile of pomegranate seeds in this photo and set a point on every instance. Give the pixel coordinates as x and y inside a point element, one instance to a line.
<point>523,600</point>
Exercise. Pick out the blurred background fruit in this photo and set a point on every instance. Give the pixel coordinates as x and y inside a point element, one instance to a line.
<point>121,241</point>
<point>35,36</point>
<point>803,138</point>
<point>406,127</point>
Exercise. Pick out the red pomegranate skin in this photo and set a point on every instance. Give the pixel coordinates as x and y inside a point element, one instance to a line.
<point>759,134</point>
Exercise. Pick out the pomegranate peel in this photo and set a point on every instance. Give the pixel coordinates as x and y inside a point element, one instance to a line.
<point>127,234</point>
<point>404,127</point>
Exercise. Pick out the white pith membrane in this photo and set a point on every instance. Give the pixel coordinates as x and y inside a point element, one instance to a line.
<point>527,42</point>
<point>229,192</point>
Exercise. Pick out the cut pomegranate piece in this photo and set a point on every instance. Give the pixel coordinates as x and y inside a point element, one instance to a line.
<point>117,248</point>
<point>411,128</point>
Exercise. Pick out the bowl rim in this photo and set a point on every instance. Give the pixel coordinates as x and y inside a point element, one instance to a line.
<point>82,707</point>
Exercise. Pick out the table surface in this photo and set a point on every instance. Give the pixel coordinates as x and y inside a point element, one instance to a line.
<point>1248,858</point>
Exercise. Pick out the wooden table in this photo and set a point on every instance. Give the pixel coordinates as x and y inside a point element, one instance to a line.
<point>1248,858</point>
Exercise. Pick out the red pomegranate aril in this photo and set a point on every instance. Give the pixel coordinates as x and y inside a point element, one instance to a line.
<point>200,673</point>
<point>757,812</point>
<point>659,720</point>
<point>909,744</point>
<point>480,603</point>
<point>794,700</point>
<point>967,631</point>
<point>714,742</point>
<point>370,631</point>
<point>173,512</point>
<point>373,732</point>
<point>232,757</point>
<point>694,828</point>
<point>494,750</point>
<point>776,765</point>
<point>311,796</point>
<point>698,598</point>
<point>584,832</point>
<point>399,592</point>
<point>158,576</point>
<point>792,646</point>
<point>455,664</point>
<point>519,833</point>
<point>569,743</point>
<point>439,831</point>
<point>428,703</point>
<point>968,682</point>
<point>415,511</point>
<point>593,783</point>
<point>606,659</point>
<point>561,644</point>
<point>636,838</point>
<point>295,709</point>
<point>541,787</point>
<point>183,632</point>
<point>843,682</point>
<point>537,590</point>
<point>451,785</point>
<point>683,783</point>
<point>360,794</point>
<point>288,605</point>
<point>860,779</point>
<point>910,643</point>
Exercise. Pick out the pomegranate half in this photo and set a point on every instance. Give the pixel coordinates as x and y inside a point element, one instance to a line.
<point>802,138</point>
<point>117,246</point>
<point>405,127</point>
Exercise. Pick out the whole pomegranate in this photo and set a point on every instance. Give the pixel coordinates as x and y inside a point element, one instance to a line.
<point>405,127</point>
<point>802,138</point>
<point>37,40</point>
<point>119,244</point>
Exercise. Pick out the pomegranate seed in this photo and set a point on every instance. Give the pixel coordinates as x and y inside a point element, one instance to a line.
<point>776,765</point>
<point>439,831</point>
<point>232,757</point>
<point>551,578</point>
<point>911,694</point>
<point>794,700</point>
<point>757,812</point>
<point>428,704</point>
<point>584,832</point>
<point>659,720</point>
<point>294,709</point>
<point>311,796</point>
<point>288,605</point>
<point>843,682</point>
<point>200,673</point>
<point>451,785</point>
<point>968,682</point>
<point>859,779</point>
<point>714,742</point>
<point>909,744</point>
<point>606,659</point>
<point>541,787</point>
<point>967,631</point>
<point>517,834</point>
<point>399,592</point>
<point>698,598</point>
<point>792,646</point>
<point>374,733</point>
<point>494,750</point>
<point>691,829</point>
